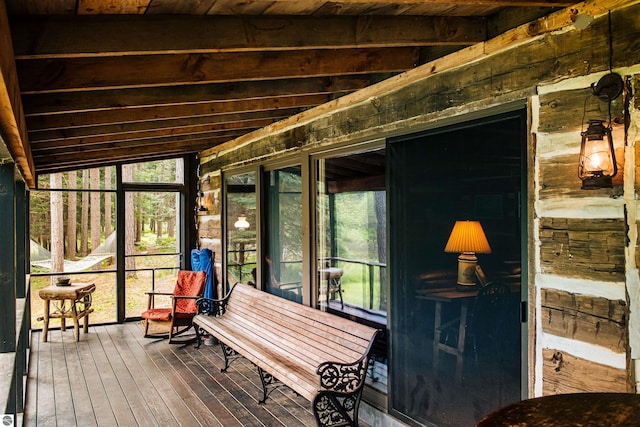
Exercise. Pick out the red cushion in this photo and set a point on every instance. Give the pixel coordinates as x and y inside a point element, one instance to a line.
<point>190,283</point>
<point>159,314</point>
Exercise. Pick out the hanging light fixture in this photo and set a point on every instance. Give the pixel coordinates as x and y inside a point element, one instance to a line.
<point>597,165</point>
<point>597,157</point>
<point>242,223</point>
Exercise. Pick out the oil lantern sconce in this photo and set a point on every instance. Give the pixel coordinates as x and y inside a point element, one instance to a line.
<point>597,165</point>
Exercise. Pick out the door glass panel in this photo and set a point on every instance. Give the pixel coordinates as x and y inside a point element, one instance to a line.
<point>152,246</point>
<point>456,347</point>
<point>351,219</point>
<point>282,266</point>
<point>241,228</point>
<point>72,234</point>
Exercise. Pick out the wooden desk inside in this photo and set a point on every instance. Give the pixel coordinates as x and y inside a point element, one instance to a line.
<point>449,295</point>
<point>72,301</point>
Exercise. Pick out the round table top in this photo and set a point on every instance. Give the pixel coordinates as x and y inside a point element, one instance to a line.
<point>569,410</point>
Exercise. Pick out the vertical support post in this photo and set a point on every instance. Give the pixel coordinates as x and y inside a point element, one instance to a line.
<point>121,275</point>
<point>8,259</point>
<point>22,238</point>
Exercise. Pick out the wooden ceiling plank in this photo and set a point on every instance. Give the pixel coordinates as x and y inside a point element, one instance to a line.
<point>65,121</point>
<point>52,136</point>
<point>47,75</point>
<point>83,101</point>
<point>82,36</point>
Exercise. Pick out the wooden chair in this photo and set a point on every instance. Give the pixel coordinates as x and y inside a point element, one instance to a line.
<point>189,286</point>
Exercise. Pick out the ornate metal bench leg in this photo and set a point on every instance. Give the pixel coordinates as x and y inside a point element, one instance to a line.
<point>229,355</point>
<point>267,380</point>
<point>330,409</point>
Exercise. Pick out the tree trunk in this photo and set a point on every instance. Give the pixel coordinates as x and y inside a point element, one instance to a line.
<point>107,201</point>
<point>96,211</point>
<point>57,225</point>
<point>72,217</point>
<point>129,223</point>
<point>84,216</point>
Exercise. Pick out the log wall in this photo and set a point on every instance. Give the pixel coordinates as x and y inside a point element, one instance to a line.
<point>583,284</point>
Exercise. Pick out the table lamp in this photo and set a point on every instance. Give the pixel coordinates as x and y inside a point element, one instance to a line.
<point>468,239</point>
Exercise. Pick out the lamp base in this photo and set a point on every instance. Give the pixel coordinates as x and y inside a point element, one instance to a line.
<point>467,262</point>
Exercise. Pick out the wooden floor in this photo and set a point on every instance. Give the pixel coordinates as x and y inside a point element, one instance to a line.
<point>115,377</point>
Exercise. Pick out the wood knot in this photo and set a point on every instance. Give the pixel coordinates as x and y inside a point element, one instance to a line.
<point>556,359</point>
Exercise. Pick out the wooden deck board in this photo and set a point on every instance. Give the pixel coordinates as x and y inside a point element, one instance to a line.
<point>115,376</point>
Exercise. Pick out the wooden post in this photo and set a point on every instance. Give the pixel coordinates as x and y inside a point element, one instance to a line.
<point>7,260</point>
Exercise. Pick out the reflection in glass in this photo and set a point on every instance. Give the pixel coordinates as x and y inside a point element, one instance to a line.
<point>351,245</point>
<point>283,250</point>
<point>241,227</point>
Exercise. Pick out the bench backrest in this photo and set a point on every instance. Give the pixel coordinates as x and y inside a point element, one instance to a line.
<point>308,334</point>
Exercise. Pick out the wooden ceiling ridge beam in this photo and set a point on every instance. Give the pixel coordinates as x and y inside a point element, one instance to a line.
<point>69,36</point>
<point>90,119</point>
<point>72,74</point>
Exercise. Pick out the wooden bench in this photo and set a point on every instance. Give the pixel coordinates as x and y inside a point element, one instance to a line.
<point>320,356</point>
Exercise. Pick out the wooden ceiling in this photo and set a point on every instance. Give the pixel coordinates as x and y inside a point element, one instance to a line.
<point>107,81</point>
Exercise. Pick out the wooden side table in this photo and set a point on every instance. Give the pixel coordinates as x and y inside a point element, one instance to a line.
<point>69,302</point>
<point>333,276</point>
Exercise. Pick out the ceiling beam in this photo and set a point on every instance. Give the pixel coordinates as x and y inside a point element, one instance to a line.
<point>81,101</point>
<point>164,112</point>
<point>222,120</point>
<point>120,35</point>
<point>53,75</point>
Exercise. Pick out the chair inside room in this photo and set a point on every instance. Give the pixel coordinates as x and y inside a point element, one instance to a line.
<point>189,287</point>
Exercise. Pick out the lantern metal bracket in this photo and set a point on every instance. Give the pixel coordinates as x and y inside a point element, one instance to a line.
<point>608,88</point>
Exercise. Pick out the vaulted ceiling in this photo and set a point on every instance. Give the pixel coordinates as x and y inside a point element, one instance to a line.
<point>107,81</point>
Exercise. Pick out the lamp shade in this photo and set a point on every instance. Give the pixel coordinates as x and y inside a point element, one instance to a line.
<point>468,236</point>
<point>241,223</point>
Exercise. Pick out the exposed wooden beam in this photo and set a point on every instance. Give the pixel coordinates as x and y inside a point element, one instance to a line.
<point>52,75</point>
<point>80,101</point>
<point>118,35</point>
<point>221,121</point>
<point>190,129</point>
<point>12,122</point>
<point>130,115</point>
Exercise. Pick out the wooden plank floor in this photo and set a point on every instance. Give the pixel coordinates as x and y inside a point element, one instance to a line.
<point>115,377</point>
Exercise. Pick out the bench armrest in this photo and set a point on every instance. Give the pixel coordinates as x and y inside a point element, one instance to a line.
<point>343,378</point>
<point>213,307</point>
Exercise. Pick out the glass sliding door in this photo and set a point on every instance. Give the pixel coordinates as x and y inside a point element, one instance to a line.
<point>456,344</point>
<point>282,263</point>
<point>241,228</point>
<point>351,244</point>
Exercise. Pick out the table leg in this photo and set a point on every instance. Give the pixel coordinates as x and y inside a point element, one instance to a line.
<point>63,321</point>
<point>45,328</point>
<point>436,335</point>
<point>76,324</point>
<point>462,333</point>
